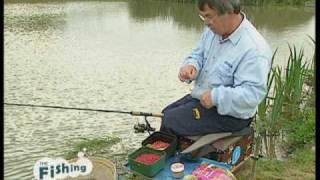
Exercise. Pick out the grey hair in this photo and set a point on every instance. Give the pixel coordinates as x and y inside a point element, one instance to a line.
<point>222,6</point>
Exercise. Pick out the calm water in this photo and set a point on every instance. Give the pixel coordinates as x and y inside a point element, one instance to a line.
<point>106,55</point>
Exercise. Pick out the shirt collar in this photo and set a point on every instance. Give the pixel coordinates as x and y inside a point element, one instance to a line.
<point>236,35</point>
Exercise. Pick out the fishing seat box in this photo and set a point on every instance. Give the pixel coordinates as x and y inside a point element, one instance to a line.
<point>144,169</point>
<point>164,137</point>
<point>222,150</point>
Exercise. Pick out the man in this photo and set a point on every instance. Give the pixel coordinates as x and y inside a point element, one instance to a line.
<point>229,67</point>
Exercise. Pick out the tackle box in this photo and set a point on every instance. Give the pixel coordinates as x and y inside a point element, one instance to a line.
<point>144,169</point>
<point>168,138</point>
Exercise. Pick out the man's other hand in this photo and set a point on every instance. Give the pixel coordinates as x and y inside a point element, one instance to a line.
<point>205,99</point>
<point>187,72</point>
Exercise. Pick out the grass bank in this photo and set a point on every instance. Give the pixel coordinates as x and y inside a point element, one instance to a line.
<point>300,165</point>
<point>93,147</point>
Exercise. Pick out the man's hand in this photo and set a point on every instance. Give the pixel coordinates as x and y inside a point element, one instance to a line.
<point>187,72</point>
<point>205,100</point>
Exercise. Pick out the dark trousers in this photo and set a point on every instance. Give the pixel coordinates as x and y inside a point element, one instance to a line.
<point>179,119</point>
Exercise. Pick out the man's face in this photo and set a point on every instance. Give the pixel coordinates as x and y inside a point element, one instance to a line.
<point>212,19</point>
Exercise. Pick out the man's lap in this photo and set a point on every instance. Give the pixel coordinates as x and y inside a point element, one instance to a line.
<point>179,119</point>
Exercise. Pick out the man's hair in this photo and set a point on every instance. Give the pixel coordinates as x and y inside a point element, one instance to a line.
<point>222,6</point>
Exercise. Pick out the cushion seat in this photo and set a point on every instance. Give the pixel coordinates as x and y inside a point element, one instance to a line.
<point>220,141</point>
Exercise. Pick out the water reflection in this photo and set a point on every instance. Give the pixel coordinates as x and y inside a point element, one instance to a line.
<point>278,24</point>
<point>184,15</point>
<point>272,18</point>
<point>278,18</point>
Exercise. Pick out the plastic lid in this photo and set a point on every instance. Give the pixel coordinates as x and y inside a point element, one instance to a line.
<point>177,167</point>
<point>236,155</point>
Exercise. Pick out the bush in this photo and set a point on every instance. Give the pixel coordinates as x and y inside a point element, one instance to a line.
<point>302,132</point>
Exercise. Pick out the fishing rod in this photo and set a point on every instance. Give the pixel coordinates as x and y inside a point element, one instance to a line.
<point>133,113</point>
<point>138,127</point>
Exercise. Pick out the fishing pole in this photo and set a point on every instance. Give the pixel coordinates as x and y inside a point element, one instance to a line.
<point>138,127</point>
<point>133,113</point>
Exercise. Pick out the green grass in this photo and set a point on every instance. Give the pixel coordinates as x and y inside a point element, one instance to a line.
<point>93,146</point>
<point>301,165</point>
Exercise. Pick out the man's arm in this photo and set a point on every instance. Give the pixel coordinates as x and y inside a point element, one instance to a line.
<point>250,88</point>
<point>197,55</point>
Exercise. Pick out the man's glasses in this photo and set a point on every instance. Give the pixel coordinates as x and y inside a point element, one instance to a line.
<point>206,19</point>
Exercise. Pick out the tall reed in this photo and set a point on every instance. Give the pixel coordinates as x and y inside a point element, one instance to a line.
<point>282,104</point>
<point>295,76</point>
<point>261,119</point>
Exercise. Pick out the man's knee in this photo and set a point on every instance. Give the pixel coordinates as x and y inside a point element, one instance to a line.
<point>167,115</point>
<point>165,125</point>
<point>178,103</point>
<point>168,121</point>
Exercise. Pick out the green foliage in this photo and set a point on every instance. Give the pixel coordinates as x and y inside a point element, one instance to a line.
<point>275,166</point>
<point>294,80</point>
<point>263,106</point>
<point>302,132</point>
<point>300,126</point>
<point>304,158</point>
<point>284,109</point>
<point>300,164</point>
<point>274,116</point>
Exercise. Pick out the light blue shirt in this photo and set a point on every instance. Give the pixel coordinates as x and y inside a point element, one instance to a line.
<point>235,69</point>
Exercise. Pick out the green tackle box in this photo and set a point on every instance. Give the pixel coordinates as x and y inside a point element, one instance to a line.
<point>144,169</point>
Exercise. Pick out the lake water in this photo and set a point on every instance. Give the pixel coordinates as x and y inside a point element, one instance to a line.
<point>117,55</point>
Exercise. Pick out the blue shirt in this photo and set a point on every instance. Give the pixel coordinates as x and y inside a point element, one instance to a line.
<point>235,69</point>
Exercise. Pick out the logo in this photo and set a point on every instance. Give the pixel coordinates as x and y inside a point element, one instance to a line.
<point>50,169</point>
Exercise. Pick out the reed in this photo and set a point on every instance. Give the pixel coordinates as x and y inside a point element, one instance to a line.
<point>295,76</point>
<point>261,120</point>
<point>282,111</point>
<point>300,127</point>
<point>274,120</point>
<point>282,105</point>
<point>311,78</point>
